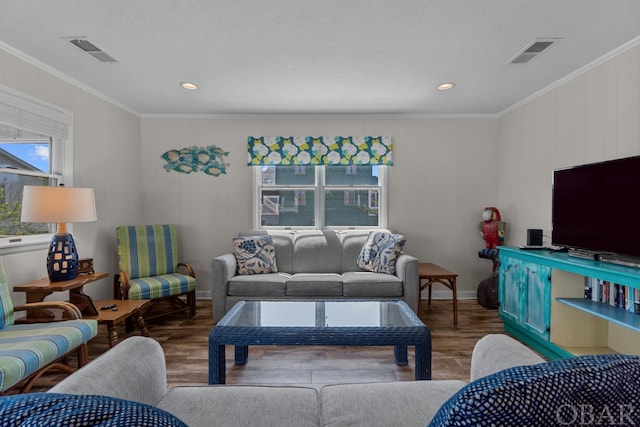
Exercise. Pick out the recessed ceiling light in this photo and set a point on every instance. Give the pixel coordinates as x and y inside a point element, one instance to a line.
<point>446,86</point>
<point>189,86</point>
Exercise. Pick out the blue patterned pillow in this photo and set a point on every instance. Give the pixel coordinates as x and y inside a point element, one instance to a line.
<point>582,390</point>
<point>255,254</point>
<point>380,252</point>
<point>55,409</point>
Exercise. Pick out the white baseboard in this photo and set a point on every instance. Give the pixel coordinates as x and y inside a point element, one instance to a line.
<point>445,294</point>
<point>203,294</point>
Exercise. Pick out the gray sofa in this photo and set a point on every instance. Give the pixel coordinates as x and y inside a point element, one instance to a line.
<point>313,264</point>
<point>135,370</point>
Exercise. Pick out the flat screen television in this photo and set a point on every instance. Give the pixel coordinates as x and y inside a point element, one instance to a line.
<point>596,210</point>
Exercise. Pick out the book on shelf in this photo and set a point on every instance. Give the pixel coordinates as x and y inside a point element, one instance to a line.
<point>613,294</point>
<point>588,288</point>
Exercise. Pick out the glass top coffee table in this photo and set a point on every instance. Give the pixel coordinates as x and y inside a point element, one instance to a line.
<point>319,322</point>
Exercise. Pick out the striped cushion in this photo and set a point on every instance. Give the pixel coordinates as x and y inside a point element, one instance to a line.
<point>161,286</point>
<point>25,348</point>
<point>6,306</point>
<point>147,250</point>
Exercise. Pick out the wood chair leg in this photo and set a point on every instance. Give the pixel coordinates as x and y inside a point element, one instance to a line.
<point>83,355</point>
<point>191,300</point>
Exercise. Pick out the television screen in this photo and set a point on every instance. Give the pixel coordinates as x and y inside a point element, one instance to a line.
<point>596,207</point>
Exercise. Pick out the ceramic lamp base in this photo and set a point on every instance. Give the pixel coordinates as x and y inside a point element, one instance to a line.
<point>62,260</point>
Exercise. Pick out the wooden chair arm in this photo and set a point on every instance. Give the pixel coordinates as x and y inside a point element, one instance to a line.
<point>71,310</point>
<point>187,266</point>
<point>121,286</point>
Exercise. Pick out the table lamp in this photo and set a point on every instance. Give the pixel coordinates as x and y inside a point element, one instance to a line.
<point>60,205</point>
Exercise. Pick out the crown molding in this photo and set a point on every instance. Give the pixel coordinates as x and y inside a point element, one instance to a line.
<point>590,66</point>
<point>317,116</point>
<point>56,73</point>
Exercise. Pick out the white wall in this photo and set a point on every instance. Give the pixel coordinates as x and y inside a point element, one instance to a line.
<point>443,176</point>
<point>106,157</point>
<point>593,117</point>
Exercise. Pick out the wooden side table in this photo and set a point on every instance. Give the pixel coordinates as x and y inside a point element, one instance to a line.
<point>126,309</point>
<point>37,290</point>
<point>433,273</point>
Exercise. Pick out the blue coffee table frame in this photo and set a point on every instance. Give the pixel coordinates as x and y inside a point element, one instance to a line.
<point>414,333</point>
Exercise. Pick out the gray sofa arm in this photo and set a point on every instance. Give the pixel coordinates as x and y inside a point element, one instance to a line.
<point>134,369</point>
<point>224,268</point>
<point>496,352</point>
<point>407,271</point>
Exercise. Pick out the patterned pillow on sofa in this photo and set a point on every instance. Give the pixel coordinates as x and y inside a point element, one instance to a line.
<point>55,409</point>
<point>582,390</point>
<point>380,252</point>
<point>255,254</point>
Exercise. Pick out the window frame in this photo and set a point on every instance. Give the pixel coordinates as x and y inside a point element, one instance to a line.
<point>319,188</point>
<point>22,111</point>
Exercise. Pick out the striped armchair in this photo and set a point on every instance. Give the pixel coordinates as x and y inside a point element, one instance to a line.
<point>28,350</point>
<point>149,267</point>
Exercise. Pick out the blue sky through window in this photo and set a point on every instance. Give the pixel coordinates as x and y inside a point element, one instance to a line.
<point>36,154</point>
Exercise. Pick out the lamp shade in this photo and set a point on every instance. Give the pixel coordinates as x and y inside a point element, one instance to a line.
<point>58,204</point>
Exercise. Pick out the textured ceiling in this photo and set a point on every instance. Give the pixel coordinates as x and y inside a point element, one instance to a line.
<point>316,57</point>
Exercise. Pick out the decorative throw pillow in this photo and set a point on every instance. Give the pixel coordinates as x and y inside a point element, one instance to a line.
<point>56,409</point>
<point>380,252</point>
<point>582,390</point>
<point>255,254</point>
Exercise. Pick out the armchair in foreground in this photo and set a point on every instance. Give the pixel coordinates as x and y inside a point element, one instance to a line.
<point>30,349</point>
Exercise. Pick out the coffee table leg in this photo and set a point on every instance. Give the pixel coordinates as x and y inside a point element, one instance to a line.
<point>242,354</point>
<point>400,353</point>
<point>113,334</point>
<point>217,369</point>
<point>142,325</point>
<point>423,361</point>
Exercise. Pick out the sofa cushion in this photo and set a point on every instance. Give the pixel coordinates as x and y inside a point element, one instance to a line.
<point>406,403</point>
<point>310,284</point>
<point>161,286</point>
<point>366,284</point>
<point>255,254</point>
<point>380,252</point>
<point>244,406</point>
<point>54,409</point>
<point>552,393</point>
<point>316,251</point>
<point>352,243</point>
<point>267,285</point>
<point>283,242</point>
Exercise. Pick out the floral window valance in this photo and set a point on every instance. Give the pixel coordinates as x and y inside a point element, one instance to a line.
<point>320,150</point>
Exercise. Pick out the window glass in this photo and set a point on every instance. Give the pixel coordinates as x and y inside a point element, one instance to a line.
<point>351,175</point>
<point>351,208</point>
<point>288,175</point>
<point>320,196</point>
<point>24,160</point>
<point>287,208</point>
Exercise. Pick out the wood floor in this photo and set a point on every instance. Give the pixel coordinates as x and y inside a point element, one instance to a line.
<point>184,341</point>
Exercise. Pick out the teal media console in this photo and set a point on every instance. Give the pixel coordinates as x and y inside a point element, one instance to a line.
<point>542,303</point>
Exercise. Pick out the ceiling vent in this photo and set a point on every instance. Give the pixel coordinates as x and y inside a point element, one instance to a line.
<point>92,50</point>
<point>532,50</point>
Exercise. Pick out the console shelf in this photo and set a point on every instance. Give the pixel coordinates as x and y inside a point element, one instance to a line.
<point>604,311</point>
<point>542,303</point>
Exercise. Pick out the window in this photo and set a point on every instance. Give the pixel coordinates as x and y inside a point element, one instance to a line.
<point>34,146</point>
<point>23,161</point>
<point>320,196</point>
